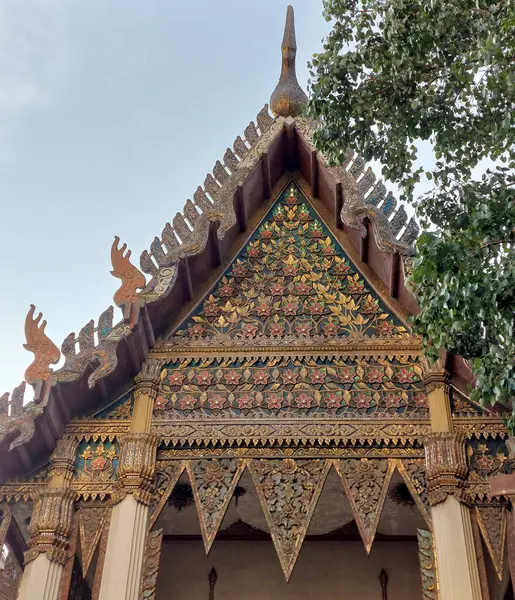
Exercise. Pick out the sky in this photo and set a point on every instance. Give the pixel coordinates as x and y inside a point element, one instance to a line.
<point>111,114</point>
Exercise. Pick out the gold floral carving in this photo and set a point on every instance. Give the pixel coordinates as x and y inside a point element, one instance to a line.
<point>91,524</point>
<point>446,465</point>
<point>366,483</point>
<point>151,565</point>
<point>213,482</point>
<point>132,278</point>
<point>166,477</point>
<point>427,557</point>
<point>51,524</point>
<point>414,474</point>
<point>102,547</point>
<point>492,524</point>
<point>288,490</point>
<point>45,352</point>
<point>137,465</point>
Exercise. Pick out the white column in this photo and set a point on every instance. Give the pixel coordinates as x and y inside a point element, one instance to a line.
<point>125,549</point>
<point>41,580</point>
<point>455,555</point>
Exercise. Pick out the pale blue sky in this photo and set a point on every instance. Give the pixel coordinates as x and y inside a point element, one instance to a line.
<point>111,114</point>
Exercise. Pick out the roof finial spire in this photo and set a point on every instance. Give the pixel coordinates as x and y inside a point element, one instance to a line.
<point>288,97</point>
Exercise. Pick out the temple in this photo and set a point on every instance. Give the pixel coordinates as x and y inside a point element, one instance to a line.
<point>261,422</point>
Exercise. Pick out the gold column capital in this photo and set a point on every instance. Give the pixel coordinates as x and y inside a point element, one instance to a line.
<point>434,373</point>
<point>62,462</point>
<point>51,524</point>
<point>446,465</point>
<point>148,379</point>
<point>136,466</point>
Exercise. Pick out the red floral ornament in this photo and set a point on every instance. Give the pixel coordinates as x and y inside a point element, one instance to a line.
<point>211,310</point>
<point>405,375</point>
<point>375,375</point>
<point>317,376</point>
<point>304,401</point>
<point>333,400</point>
<point>176,378</point>
<point>289,376</point>
<point>216,402</point>
<point>239,271</point>
<point>290,270</point>
<point>355,287</point>
<point>303,289</point>
<point>264,309</point>
<point>245,401</point>
<point>226,291</point>
<point>273,401</point>
<point>316,308</point>
<point>363,400</point>
<point>232,377</point>
<point>315,233</point>
<point>277,289</point>
<point>291,199</point>
<point>370,307</point>
<point>327,250</point>
<point>98,463</point>
<point>341,269</point>
<point>276,329</point>
<point>421,400</point>
<point>303,215</point>
<point>249,330</point>
<point>196,331</point>
<point>187,403</point>
<point>330,328</point>
<point>254,252</point>
<point>290,308</point>
<point>204,377</point>
<point>266,233</point>
<point>160,403</point>
<point>347,374</point>
<point>303,329</point>
<point>261,377</point>
<point>392,400</point>
<point>385,328</point>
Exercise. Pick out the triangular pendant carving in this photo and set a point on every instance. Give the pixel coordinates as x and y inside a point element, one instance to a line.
<point>492,523</point>
<point>91,524</point>
<point>167,476</point>
<point>213,482</point>
<point>413,471</point>
<point>288,490</point>
<point>291,283</point>
<point>366,484</point>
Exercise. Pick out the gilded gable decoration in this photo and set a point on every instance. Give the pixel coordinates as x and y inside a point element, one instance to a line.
<point>166,477</point>
<point>92,520</point>
<point>491,519</point>
<point>413,471</point>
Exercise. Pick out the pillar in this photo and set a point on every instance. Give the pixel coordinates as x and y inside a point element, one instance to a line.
<point>446,467</point>
<point>127,532</point>
<point>50,528</point>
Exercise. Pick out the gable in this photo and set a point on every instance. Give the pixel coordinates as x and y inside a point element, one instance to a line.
<point>292,282</point>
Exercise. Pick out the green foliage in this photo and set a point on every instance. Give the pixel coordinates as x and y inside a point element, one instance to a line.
<point>396,72</point>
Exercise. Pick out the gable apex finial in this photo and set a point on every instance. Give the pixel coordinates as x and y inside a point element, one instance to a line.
<point>288,97</point>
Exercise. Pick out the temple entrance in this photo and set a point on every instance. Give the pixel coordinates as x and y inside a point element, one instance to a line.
<point>332,563</point>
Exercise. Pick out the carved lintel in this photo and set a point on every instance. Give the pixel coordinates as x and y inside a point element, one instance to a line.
<point>446,465</point>
<point>136,466</point>
<point>147,380</point>
<point>51,524</point>
<point>62,461</point>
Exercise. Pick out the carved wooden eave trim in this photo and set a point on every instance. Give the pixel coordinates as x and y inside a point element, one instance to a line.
<point>104,357</point>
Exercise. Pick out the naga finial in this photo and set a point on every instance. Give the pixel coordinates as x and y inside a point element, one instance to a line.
<point>132,278</point>
<point>46,353</point>
<point>288,97</point>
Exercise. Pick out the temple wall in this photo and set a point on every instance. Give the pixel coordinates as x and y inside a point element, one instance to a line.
<point>251,571</point>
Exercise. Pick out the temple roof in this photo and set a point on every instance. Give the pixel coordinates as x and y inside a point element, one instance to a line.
<point>192,252</point>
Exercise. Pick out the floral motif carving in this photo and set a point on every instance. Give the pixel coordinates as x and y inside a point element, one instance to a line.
<point>97,461</point>
<point>291,280</point>
<point>492,524</point>
<point>427,558</point>
<point>213,482</point>
<point>45,352</point>
<point>166,477</point>
<point>487,458</point>
<point>288,490</point>
<point>298,386</point>
<point>366,484</point>
<point>91,524</point>
<point>151,565</point>
<point>413,472</point>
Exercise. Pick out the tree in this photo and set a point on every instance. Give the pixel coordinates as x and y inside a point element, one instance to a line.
<point>398,75</point>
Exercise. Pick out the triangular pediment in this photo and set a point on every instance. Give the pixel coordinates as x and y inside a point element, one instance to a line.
<point>292,281</point>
